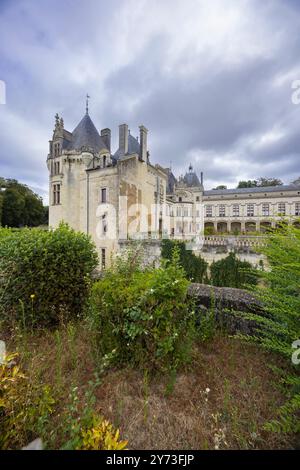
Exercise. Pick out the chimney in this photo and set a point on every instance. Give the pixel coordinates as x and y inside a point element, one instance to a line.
<point>143,143</point>
<point>123,138</point>
<point>201,177</point>
<point>106,137</point>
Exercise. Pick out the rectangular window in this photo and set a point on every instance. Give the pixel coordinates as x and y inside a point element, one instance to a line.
<point>266,210</point>
<point>197,214</point>
<point>178,212</point>
<point>250,210</point>
<point>297,208</point>
<point>186,212</point>
<point>56,194</point>
<point>222,211</point>
<point>235,210</point>
<point>281,208</point>
<point>103,258</point>
<point>56,168</point>
<point>208,211</point>
<point>103,195</point>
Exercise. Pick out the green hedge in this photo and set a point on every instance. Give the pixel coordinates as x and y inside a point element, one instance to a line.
<point>44,275</point>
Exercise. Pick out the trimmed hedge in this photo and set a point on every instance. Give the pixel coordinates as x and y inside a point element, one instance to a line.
<point>44,275</point>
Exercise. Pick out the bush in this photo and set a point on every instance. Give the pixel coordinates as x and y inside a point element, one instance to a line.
<point>25,408</point>
<point>194,266</point>
<point>143,316</point>
<point>44,275</point>
<point>101,436</point>
<point>278,327</point>
<point>231,272</point>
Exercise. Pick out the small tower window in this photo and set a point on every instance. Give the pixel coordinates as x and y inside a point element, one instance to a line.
<point>103,195</point>
<point>56,194</point>
<point>56,150</point>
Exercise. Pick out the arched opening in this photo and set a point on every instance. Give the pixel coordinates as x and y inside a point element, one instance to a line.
<point>236,228</point>
<point>265,227</point>
<point>209,228</point>
<point>222,227</point>
<point>250,227</point>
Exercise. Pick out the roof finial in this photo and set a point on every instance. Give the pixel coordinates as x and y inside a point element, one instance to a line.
<point>190,168</point>
<point>171,165</point>
<point>87,103</point>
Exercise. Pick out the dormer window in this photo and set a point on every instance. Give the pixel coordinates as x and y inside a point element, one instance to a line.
<point>104,161</point>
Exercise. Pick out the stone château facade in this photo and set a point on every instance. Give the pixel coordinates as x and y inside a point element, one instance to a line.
<point>122,195</point>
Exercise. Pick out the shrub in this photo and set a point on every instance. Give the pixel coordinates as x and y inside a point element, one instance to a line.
<point>101,436</point>
<point>279,325</point>
<point>231,272</point>
<point>209,231</point>
<point>144,316</point>
<point>24,408</point>
<point>194,266</point>
<point>44,275</point>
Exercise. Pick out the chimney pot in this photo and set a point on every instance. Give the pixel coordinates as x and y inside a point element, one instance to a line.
<point>143,143</point>
<point>106,137</point>
<point>123,138</point>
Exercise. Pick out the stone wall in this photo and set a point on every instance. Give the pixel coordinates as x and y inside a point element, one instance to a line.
<point>224,301</point>
<point>151,250</point>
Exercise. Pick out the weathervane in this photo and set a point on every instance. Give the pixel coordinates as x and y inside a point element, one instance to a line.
<point>87,103</point>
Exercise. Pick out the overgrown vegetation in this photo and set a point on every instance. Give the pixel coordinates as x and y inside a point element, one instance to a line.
<point>144,316</point>
<point>194,266</point>
<point>44,275</point>
<point>232,272</point>
<point>122,356</point>
<point>278,327</point>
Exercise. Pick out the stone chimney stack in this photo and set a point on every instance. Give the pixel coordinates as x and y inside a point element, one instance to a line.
<point>123,138</point>
<point>143,143</point>
<point>106,137</point>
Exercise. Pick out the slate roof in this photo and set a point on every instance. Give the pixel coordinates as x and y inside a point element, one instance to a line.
<point>85,134</point>
<point>171,182</point>
<point>191,179</point>
<point>263,189</point>
<point>133,147</point>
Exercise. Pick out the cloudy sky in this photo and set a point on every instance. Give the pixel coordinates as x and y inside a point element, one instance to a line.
<point>211,80</point>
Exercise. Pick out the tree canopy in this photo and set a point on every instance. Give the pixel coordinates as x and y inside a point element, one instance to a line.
<point>260,183</point>
<point>20,206</point>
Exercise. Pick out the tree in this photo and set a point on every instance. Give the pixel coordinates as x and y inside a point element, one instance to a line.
<point>194,266</point>
<point>13,208</point>
<point>260,183</point>
<point>221,186</point>
<point>278,325</point>
<point>19,205</point>
<point>297,181</point>
<point>247,184</point>
<point>231,272</point>
<point>263,182</point>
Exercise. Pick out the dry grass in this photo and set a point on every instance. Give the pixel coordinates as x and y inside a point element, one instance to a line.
<point>166,412</point>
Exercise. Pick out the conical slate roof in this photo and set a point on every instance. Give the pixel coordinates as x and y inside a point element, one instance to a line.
<point>191,179</point>
<point>86,135</point>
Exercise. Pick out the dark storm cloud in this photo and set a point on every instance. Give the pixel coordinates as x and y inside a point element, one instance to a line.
<point>212,82</point>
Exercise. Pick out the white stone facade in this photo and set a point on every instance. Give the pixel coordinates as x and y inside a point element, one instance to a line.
<point>120,196</point>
